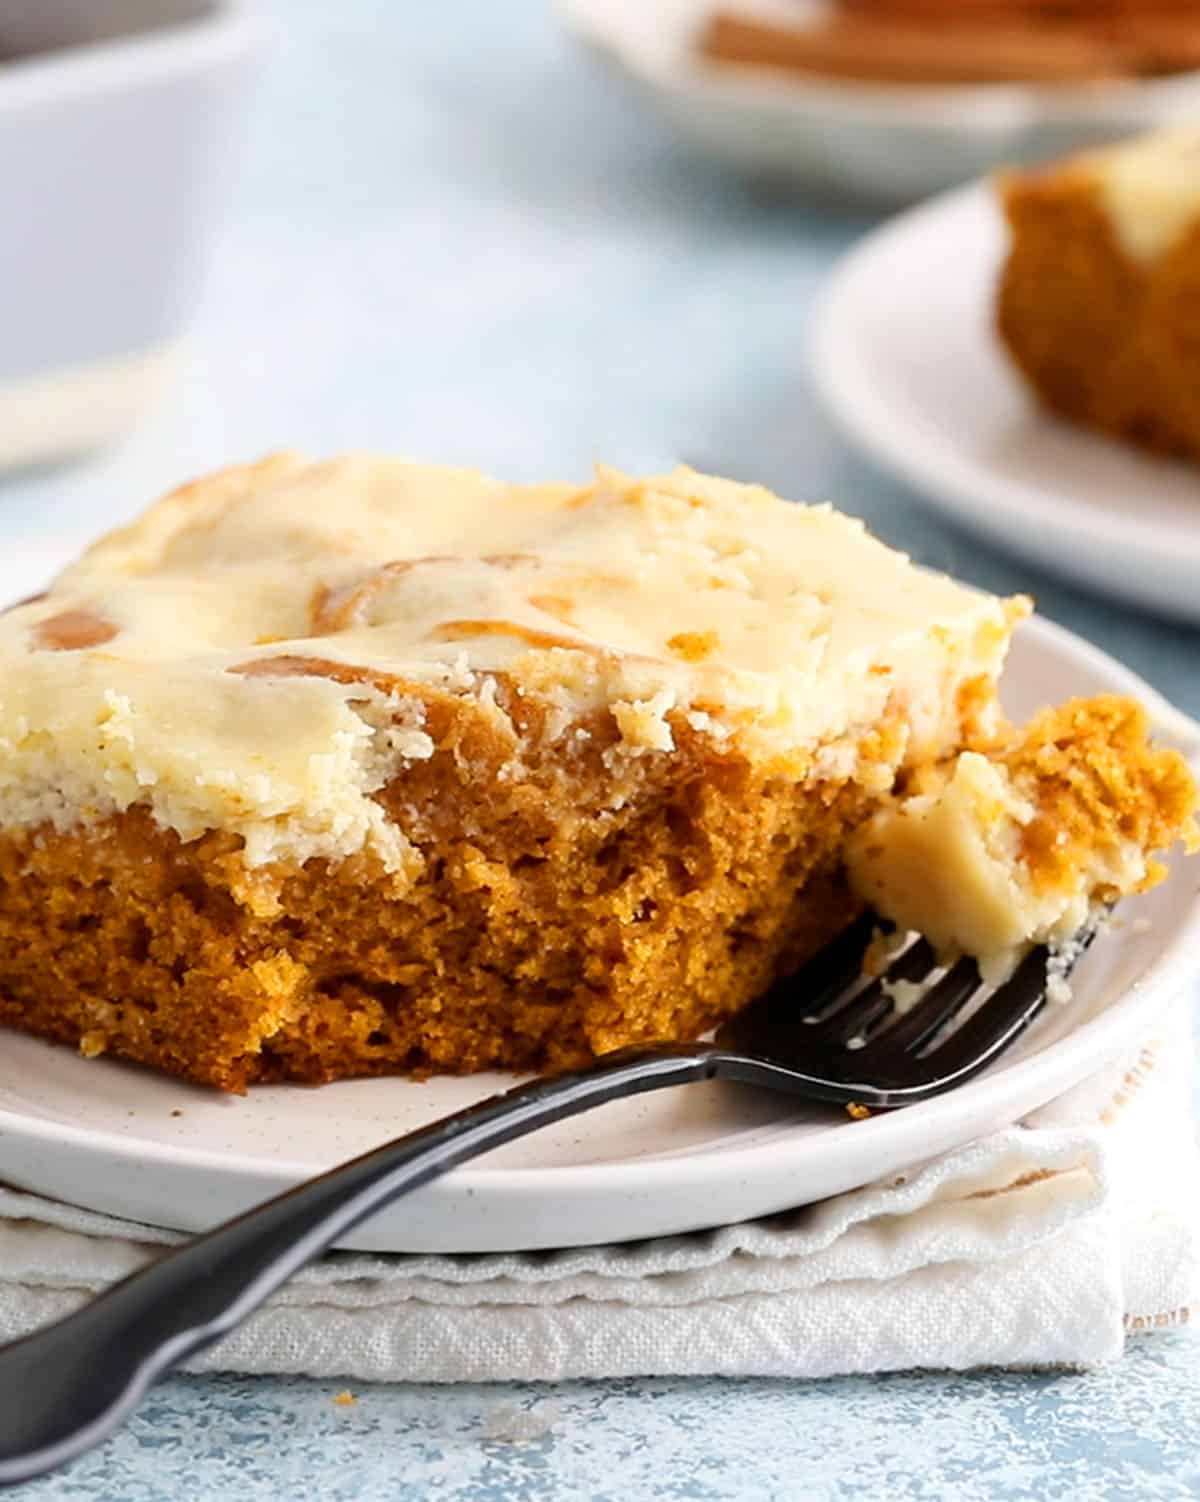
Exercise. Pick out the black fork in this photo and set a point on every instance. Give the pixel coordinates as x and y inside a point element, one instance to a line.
<point>823,1034</point>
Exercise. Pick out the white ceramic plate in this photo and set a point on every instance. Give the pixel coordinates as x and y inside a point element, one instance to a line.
<point>882,141</point>
<point>120,1139</point>
<point>904,354</point>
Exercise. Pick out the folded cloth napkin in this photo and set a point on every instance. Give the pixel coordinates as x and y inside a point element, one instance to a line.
<point>1040,1245</point>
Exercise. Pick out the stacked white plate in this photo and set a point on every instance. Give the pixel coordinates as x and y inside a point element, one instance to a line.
<point>890,141</point>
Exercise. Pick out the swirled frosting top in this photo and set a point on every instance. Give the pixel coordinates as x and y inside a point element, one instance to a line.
<point>245,655</point>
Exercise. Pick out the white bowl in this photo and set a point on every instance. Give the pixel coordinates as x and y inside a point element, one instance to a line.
<point>115,121</point>
<point>888,142</point>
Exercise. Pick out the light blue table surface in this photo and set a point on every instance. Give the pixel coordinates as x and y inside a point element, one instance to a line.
<point>455,235</point>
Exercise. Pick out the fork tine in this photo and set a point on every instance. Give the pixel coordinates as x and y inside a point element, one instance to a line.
<point>1006,1013</point>
<point>790,1002</point>
<point>1010,1009</point>
<point>857,1045</point>
<point>830,970</point>
<point>941,1004</point>
<point>861,1012</point>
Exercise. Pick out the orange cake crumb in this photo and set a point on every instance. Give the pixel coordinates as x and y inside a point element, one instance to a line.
<point>1099,299</point>
<point>1098,784</point>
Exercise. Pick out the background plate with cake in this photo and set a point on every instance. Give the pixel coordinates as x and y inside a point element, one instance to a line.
<point>895,99</point>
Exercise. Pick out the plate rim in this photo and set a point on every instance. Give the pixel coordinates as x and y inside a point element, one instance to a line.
<point>861,409</point>
<point>1064,1062</point>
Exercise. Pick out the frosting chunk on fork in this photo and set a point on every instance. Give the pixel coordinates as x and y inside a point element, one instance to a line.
<point>994,852</point>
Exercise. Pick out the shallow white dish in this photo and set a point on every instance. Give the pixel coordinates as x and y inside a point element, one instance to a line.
<point>884,141</point>
<point>120,1139</point>
<point>117,123</point>
<point>904,354</point>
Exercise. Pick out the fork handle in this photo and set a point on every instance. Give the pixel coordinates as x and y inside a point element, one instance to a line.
<point>69,1385</point>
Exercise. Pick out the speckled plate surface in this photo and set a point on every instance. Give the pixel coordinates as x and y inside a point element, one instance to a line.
<point>120,1139</point>
<point>904,353</point>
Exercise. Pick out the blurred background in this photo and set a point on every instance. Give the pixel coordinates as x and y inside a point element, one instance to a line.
<point>477,233</point>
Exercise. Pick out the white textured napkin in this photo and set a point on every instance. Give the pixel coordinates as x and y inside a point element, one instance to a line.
<point>1041,1245</point>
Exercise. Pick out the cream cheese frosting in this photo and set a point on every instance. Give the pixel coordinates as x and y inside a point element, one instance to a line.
<point>1150,187</point>
<point>977,894</point>
<point>161,669</point>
